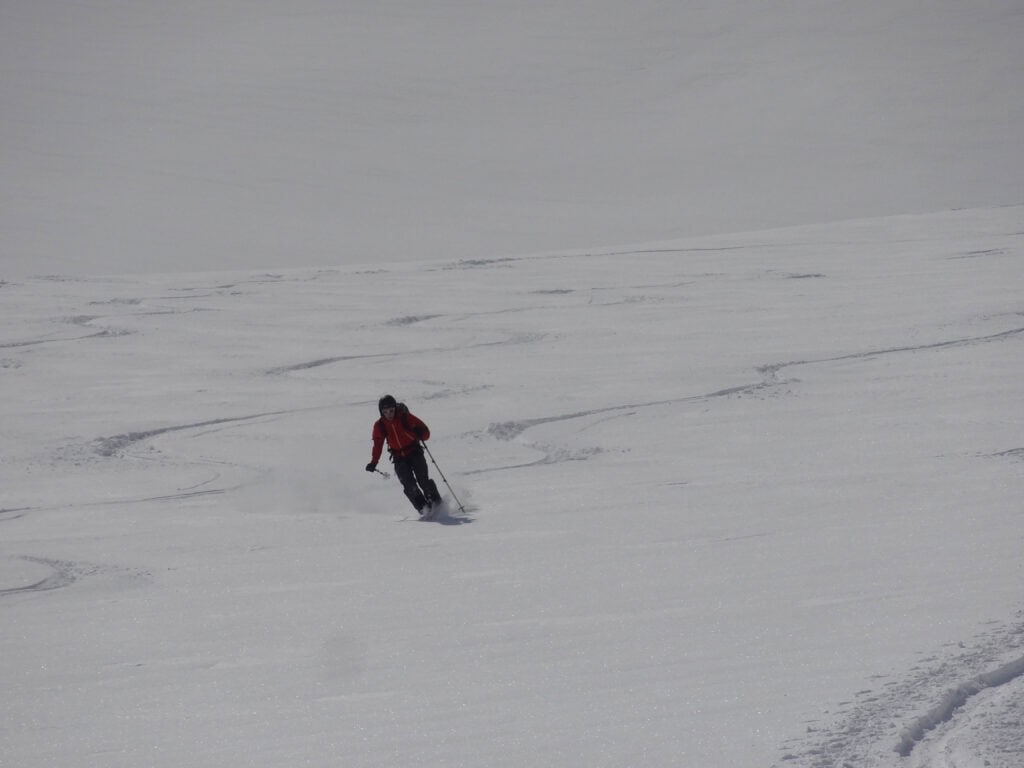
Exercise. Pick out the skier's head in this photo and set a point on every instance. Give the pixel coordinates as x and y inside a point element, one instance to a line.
<point>386,402</point>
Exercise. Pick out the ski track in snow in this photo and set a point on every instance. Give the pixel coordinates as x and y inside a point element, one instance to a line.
<point>116,444</point>
<point>928,718</point>
<point>989,732</point>
<point>847,744</point>
<point>13,513</point>
<point>65,573</point>
<point>510,430</point>
<point>954,700</point>
<point>771,371</point>
<point>920,717</point>
<point>524,338</point>
<point>1014,453</point>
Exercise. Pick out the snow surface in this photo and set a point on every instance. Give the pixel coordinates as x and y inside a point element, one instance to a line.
<point>747,500</point>
<point>720,500</point>
<point>256,134</point>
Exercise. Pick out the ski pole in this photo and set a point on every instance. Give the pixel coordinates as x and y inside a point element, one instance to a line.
<point>382,474</point>
<point>461,508</point>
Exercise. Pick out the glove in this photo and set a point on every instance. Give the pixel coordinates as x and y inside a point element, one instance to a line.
<point>371,467</point>
<point>420,433</point>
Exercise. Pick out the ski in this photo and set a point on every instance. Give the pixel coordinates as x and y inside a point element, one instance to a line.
<point>430,511</point>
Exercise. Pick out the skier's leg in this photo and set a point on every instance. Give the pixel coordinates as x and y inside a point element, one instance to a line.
<point>405,477</point>
<point>419,468</point>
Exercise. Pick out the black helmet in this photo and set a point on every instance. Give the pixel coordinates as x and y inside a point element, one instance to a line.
<point>386,402</point>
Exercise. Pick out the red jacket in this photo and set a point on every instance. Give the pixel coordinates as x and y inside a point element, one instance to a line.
<point>400,432</point>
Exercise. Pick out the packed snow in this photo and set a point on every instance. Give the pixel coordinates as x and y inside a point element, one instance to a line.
<point>732,501</point>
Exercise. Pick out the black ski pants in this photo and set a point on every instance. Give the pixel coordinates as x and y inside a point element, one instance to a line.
<point>412,474</point>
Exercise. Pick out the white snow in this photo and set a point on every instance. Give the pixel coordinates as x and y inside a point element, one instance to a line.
<point>743,500</point>
<point>743,492</point>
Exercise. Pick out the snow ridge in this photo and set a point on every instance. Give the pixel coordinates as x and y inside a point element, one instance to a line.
<point>920,713</point>
<point>953,700</point>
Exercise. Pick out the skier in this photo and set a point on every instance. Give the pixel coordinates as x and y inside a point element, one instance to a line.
<point>404,433</point>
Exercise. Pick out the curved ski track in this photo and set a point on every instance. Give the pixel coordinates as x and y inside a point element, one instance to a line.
<point>509,430</point>
<point>925,719</point>
<point>65,573</point>
<point>114,445</point>
<point>848,743</point>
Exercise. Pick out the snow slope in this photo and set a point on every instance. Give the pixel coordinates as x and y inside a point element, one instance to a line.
<point>728,501</point>
<point>149,136</point>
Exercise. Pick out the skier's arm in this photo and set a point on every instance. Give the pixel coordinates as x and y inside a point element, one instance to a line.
<point>419,429</point>
<point>378,443</point>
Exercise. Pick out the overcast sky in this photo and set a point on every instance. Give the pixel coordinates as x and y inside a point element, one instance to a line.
<point>149,136</point>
